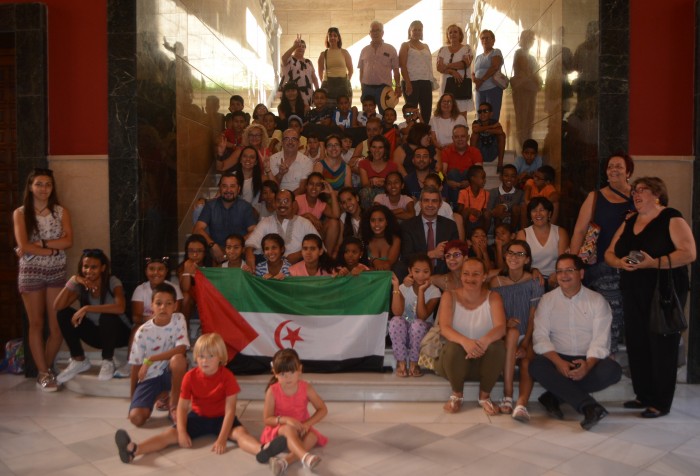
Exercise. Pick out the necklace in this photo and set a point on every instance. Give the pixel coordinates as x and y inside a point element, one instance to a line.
<point>39,212</point>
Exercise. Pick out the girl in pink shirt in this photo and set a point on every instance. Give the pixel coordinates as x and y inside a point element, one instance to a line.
<point>315,261</point>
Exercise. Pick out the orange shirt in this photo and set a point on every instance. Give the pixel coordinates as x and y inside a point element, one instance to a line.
<point>469,200</point>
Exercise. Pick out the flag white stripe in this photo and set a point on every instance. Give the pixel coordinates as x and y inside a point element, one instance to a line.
<point>324,337</point>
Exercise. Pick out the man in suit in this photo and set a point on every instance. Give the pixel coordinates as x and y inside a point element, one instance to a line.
<point>427,233</point>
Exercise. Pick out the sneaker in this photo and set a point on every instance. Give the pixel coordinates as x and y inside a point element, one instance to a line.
<point>278,466</point>
<point>74,368</point>
<point>46,382</point>
<point>106,371</point>
<point>123,372</point>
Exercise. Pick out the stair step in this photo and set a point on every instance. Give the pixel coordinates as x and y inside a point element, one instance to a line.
<point>337,387</point>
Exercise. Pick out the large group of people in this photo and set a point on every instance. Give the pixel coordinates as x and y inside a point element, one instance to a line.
<point>330,191</point>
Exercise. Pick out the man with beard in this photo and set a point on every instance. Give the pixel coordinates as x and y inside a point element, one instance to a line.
<point>225,216</point>
<point>289,167</point>
<point>292,228</point>
<point>414,181</point>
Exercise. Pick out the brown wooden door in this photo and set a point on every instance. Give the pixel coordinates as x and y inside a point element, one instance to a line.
<point>10,198</point>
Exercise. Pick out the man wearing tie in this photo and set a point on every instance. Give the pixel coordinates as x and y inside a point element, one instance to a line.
<point>427,233</point>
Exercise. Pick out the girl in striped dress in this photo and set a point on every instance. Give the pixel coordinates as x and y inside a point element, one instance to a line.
<point>520,294</point>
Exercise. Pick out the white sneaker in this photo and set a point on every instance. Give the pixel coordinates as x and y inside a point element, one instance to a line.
<point>106,371</point>
<point>123,372</point>
<point>74,368</point>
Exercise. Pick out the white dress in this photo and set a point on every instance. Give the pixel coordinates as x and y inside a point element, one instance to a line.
<point>464,105</point>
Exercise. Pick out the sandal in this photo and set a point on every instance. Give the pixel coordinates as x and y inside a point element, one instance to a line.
<point>415,371</point>
<point>521,414</point>
<point>506,405</point>
<point>278,466</point>
<point>121,438</point>
<point>310,460</point>
<point>401,369</point>
<point>454,404</point>
<point>489,408</point>
<point>273,448</point>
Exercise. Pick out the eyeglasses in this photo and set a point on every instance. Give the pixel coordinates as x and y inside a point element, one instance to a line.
<point>566,270</point>
<point>284,201</point>
<point>484,111</point>
<point>455,255</point>
<point>290,139</point>
<point>519,254</point>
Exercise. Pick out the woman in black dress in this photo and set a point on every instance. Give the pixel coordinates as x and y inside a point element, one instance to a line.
<point>662,237</point>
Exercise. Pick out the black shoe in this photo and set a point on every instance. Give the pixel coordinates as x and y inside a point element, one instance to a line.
<point>653,413</point>
<point>551,404</point>
<point>592,414</point>
<point>633,404</point>
<point>274,448</point>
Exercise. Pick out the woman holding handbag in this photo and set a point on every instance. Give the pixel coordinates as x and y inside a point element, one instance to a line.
<point>454,61</point>
<point>486,66</point>
<point>605,210</point>
<point>335,68</point>
<point>653,244</point>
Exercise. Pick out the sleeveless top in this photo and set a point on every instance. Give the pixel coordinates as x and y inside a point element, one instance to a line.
<point>334,177</point>
<point>335,64</point>
<point>473,323</point>
<point>49,227</point>
<point>654,239</point>
<point>419,64</point>
<point>544,257</point>
<point>609,216</point>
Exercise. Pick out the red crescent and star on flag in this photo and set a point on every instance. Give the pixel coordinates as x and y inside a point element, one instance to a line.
<point>292,334</point>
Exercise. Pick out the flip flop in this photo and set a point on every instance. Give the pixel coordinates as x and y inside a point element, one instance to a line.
<point>415,371</point>
<point>273,448</point>
<point>121,438</point>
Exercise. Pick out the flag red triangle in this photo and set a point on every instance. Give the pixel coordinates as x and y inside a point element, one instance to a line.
<point>217,314</point>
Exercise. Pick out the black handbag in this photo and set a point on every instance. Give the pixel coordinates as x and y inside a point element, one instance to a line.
<point>462,90</point>
<point>666,314</point>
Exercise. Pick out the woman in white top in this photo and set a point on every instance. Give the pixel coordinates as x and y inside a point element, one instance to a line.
<point>455,60</point>
<point>473,321</point>
<point>486,65</point>
<point>546,241</point>
<point>335,68</point>
<point>445,118</point>
<point>415,61</point>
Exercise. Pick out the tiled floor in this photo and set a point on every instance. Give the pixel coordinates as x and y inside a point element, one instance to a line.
<point>71,434</point>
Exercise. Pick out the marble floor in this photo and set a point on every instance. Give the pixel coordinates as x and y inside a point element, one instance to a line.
<point>70,434</point>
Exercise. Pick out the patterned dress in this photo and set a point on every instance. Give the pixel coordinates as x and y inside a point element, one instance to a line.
<point>40,272</point>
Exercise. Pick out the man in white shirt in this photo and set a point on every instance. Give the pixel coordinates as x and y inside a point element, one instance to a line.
<point>289,167</point>
<point>292,228</point>
<point>572,342</point>
<point>378,61</point>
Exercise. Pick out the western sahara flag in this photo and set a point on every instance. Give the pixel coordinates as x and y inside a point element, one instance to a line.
<point>335,324</point>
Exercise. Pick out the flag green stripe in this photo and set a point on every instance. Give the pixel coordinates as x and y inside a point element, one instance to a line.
<point>367,293</point>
